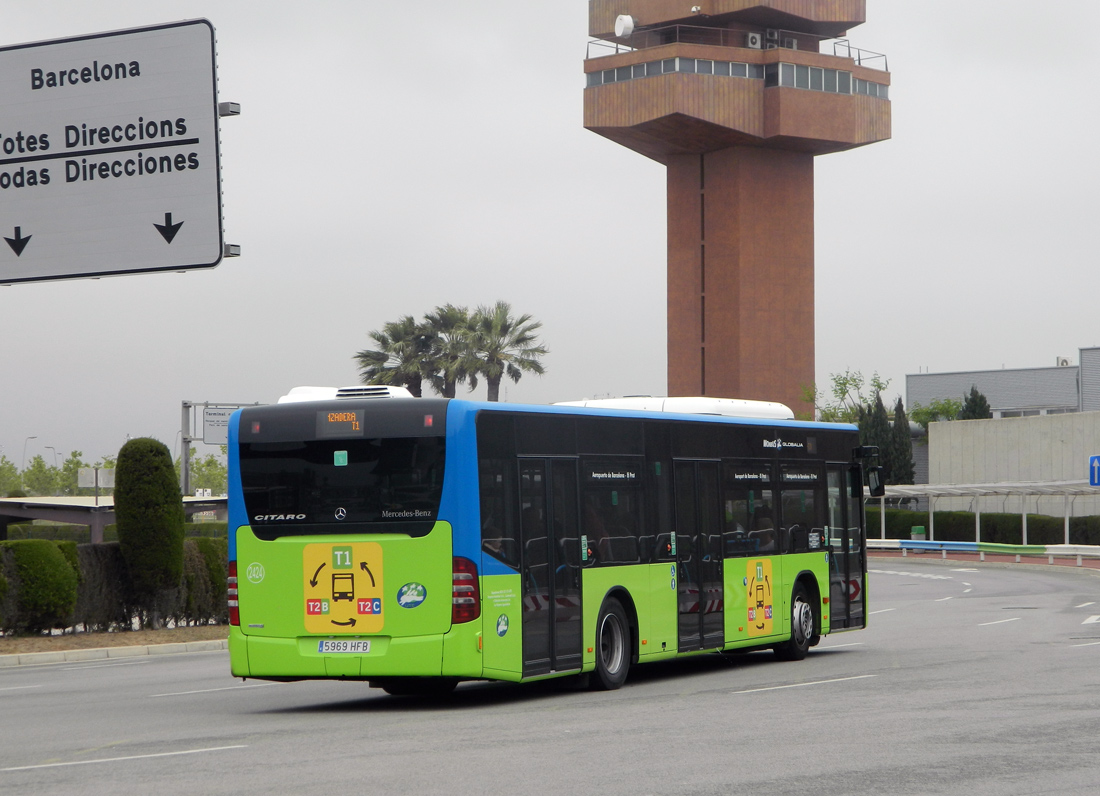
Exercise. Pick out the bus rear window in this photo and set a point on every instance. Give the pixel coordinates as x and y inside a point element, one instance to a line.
<point>342,486</point>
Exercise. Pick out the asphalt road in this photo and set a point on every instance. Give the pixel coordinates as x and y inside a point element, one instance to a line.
<point>969,681</point>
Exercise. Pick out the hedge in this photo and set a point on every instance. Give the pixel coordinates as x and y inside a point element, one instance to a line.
<point>101,602</point>
<point>82,534</point>
<point>42,589</point>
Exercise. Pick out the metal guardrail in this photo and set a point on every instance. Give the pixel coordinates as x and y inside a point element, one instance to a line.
<point>1052,551</point>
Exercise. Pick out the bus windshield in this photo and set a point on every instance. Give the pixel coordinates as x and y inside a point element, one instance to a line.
<point>373,485</point>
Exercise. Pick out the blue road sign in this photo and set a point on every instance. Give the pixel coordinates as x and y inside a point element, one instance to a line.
<point>1094,471</point>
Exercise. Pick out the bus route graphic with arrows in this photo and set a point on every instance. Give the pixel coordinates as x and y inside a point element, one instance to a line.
<point>342,584</point>
<point>758,579</point>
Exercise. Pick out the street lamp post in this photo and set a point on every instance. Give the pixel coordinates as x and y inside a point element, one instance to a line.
<point>23,468</point>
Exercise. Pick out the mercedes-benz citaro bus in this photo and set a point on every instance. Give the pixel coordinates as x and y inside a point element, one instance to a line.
<point>417,542</point>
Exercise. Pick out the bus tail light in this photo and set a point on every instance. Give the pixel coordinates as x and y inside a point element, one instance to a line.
<point>466,594</point>
<point>231,595</point>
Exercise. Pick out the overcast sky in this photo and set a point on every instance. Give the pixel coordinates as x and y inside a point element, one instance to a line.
<point>391,157</point>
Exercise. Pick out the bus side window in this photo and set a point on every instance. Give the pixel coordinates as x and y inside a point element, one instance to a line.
<point>499,531</point>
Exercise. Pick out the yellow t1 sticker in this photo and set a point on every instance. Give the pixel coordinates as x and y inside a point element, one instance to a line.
<point>758,576</point>
<point>343,588</point>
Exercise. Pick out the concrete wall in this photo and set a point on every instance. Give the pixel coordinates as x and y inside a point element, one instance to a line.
<point>1043,448</point>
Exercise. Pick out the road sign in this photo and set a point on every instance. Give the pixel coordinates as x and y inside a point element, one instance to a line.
<point>215,424</point>
<point>1094,471</point>
<point>109,154</point>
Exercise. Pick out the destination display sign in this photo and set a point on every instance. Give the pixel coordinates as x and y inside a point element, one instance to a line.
<point>109,160</point>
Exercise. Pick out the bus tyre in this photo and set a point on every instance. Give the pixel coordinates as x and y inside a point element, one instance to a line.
<point>612,646</point>
<point>802,627</point>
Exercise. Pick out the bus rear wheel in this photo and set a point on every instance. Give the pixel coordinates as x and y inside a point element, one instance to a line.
<point>802,627</point>
<point>612,646</point>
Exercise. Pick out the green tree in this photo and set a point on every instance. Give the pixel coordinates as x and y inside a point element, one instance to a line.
<point>402,357</point>
<point>901,447</point>
<point>450,353</point>
<point>975,406</point>
<point>68,480</point>
<point>848,399</point>
<point>150,519</point>
<point>39,478</point>
<point>874,429</point>
<point>9,476</point>
<point>504,346</point>
<point>208,473</point>
<point>938,410</point>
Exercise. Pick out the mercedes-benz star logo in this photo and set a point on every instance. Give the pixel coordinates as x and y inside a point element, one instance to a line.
<point>341,513</point>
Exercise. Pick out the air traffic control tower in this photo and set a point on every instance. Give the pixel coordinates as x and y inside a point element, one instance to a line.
<point>736,98</point>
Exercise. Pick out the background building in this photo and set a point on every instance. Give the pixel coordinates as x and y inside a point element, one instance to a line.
<point>736,98</point>
<point>1045,428</point>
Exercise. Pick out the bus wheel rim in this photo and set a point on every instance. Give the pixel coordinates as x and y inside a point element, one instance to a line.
<point>803,622</point>
<point>611,644</point>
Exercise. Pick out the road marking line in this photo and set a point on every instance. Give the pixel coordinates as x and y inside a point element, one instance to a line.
<point>803,685</point>
<point>1090,644</point>
<point>1000,621</point>
<point>1092,620</point>
<point>106,665</point>
<point>19,687</point>
<point>967,591</point>
<point>964,570</point>
<point>212,690</point>
<point>131,757</point>
<point>1085,605</point>
<point>944,599</point>
<point>838,646</point>
<point>882,611</point>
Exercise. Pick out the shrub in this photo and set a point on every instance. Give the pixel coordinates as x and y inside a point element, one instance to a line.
<point>44,586</point>
<point>150,518</point>
<point>74,533</point>
<point>215,553</point>
<point>195,605</point>
<point>101,598</point>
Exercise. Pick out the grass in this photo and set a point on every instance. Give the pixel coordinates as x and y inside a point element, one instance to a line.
<point>16,645</point>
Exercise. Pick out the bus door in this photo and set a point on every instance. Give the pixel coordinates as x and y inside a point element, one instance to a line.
<point>550,544</point>
<point>847,562</point>
<point>699,556</point>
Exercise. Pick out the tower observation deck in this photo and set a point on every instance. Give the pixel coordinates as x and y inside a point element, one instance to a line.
<point>736,98</point>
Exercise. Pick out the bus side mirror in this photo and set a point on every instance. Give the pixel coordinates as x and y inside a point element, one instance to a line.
<point>875,486</point>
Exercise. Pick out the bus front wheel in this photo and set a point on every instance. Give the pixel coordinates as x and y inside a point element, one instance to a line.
<point>612,646</point>
<point>802,627</point>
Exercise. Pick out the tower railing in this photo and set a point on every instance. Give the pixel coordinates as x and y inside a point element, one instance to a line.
<point>718,37</point>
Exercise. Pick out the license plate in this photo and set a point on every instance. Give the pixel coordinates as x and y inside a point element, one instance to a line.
<point>343,646</point>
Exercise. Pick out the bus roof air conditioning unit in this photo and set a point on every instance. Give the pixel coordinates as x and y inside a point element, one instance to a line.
<point>754,41</point>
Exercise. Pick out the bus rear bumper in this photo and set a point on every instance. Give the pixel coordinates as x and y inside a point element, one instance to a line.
<point>265,657</point>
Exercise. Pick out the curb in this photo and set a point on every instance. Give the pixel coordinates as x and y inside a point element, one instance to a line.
<point>104,653</point>
<point>955,562</point>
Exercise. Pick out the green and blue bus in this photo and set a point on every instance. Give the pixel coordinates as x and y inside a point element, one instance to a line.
<point>417,542</point>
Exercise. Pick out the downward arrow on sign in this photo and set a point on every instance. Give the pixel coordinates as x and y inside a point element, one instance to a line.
<point>167,230</point>
<point>18,243</point>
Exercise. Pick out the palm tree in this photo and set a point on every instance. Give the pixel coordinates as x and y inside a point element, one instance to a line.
<point>401,358</point>
<point>504,345</point>
<point>452,361</point>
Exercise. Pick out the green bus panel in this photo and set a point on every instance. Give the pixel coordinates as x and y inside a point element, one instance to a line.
<point>502,626</point>
<point>393,591</point>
